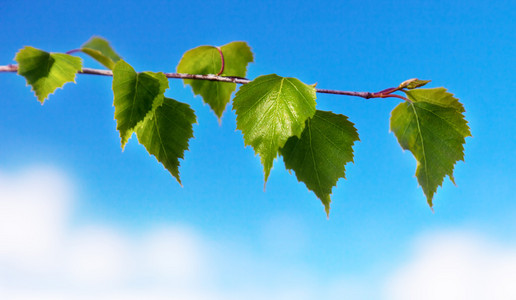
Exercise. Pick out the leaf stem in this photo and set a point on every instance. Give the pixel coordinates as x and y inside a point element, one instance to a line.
<point>392,96</point>
<point>73,51</point>
<point>222,61</point>
<point>387,93</point>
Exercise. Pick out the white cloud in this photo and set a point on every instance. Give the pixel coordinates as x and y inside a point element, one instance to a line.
<point>34,207</point>
<point>96,256</point>
<point>42,257</point>
<point>456,265</point>
<point>187,261</point>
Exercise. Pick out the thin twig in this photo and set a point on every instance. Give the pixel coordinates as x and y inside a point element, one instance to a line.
<point>9,68</point>
<point>73,51</point>
<point>231,79</point>
<point>366,95</point>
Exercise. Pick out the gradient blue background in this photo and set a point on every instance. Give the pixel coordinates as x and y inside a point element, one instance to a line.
<point>465,46</point>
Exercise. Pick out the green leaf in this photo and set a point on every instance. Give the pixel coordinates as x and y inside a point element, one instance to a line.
<point>101,51</point>
<point>205,60</point>
<point>319,157</point>
<point>417,83</point>
<point>434,129</point>
<point>165,133</point>
<point>136,95</point>
<point>270,110</point>
<point>437,96</point>
<point>413,83</point>
<point>45,71</point>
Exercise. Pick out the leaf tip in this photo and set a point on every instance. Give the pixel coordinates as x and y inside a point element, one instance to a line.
<point>452,179</point>
<point>42,99</point>
<point>326,200</point>
<point>266,178</point>
<point>429,199</point>
<point>124,138</point>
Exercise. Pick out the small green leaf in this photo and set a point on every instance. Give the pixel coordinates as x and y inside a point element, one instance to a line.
<point>101,51</point>
<point>434,129</point>
<point>165,133</point>
<point>205,60</point>
<point>417,83</point>
<point>319,157</point>
<point>136,95</point>
<point>45,71</point>
<point>270,110</point>
<point>413,83</point>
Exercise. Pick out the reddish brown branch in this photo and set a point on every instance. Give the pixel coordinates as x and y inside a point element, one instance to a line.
<point>367,95</point>
<point>73,51</point>
<point>221,60</point>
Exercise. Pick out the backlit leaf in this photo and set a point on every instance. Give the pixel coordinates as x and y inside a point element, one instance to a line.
<point>319,157</point>
<point>136,95</point>
<point>437,96</point>
<point>434,129</point>
<point>270,110</point>
<point>205,60</point>
<point>165,133</point>
<point>45,71</point>
<point>101,51</point>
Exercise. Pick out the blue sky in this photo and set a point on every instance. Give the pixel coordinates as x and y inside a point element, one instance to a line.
<point>379,217</point>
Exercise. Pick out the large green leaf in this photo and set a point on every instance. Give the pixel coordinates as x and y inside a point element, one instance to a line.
<point>434,129</point>
<point>136,95</point>
<point>101,51</point>
<point>165,133</point>
<point>271,109</point>
<point>45,71</point>
<point>319,157</point>
<point>206,60</point>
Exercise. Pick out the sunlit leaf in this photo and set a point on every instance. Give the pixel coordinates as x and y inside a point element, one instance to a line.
<point>319,157</point>
<point>207,60</point>
<point>101,51</point>
<point>166,132</point>
<point>270,110</point>
<point>434,129</point>
<point>45,71</point>
<point>136,95</point>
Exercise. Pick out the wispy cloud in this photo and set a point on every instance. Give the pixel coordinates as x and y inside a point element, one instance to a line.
<point>43,257</point>
<point>455,265</point>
